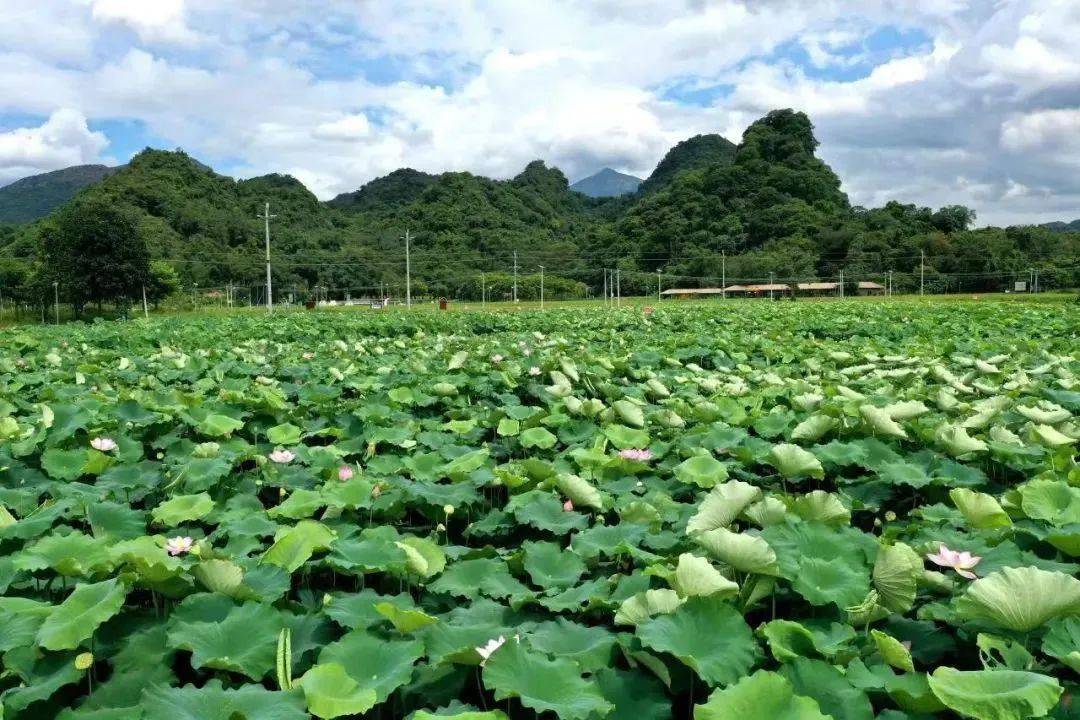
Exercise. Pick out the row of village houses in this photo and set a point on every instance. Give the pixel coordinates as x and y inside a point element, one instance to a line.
<point>865,287</point>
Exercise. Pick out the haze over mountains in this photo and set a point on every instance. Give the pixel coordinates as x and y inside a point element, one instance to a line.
<point>607,183</point>
<point>767,206</point>
<point>36,196</point>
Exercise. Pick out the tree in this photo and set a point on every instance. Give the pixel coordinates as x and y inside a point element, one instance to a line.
<point>93,249</point>
<point>162,282</point>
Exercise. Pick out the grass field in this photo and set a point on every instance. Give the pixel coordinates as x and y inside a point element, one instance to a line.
<point>746,509</point>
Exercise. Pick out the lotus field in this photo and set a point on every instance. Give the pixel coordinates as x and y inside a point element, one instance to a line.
<point>720,511</point>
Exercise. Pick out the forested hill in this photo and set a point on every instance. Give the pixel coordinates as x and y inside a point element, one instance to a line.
<point>767,206</point>
<point>36,196</point>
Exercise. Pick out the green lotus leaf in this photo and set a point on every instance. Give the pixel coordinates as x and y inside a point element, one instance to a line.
<point>543,684</point>
<point>76,619</point>
<point>814,428</point>
<point>228,643</point>
<point>284,434</point>
<point>1062,641</point>
<point>550,566</point>
<point>212,702</point>
<point>881,423</point>
<point>1054,501</point>
<point>330,692</point>
<point>1020,598</point>
<point>630,413</point>
<point>294,546</point>
<point>64,464</point>
<point>405,620</point>
<point>1044,413</point>
<point>1050,436</point>
<point>834,693</point>
<point>766,512</point>
<point>180,509</point>
<point>20,619</point>
<point>696,577</point>
<point>221,576</point>
<point>893,651</point>
<point>71,555</point>
<point>911,691</point>
<point>789,640</point>
<point>301,503</point>
<point>215,425</point>
<point>824,582</point>
<point>956,440</point>
<point>794,462</point>
<point>702,470</point>
<point>981,511</point>
<point>724,503</point>
<point>423,556</point>
<point>821,506</point>
<point>761,696</point>
<point>580,492</point>
<point>590,647</point>
<point>466,715</point>
<point>742,551</point>
<point>374,663</point>
<point>623,437</point>
<point>635,695</point>
<point>905,410</point>
<point>537,437</point>
<point>995,694</point>
<point>479,576</point>
<point>642,606</point>
<point>896,573</point>
<point>708,635</point>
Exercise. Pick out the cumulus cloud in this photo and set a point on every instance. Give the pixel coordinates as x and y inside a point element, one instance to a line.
<point>153,20</point>
<point>979,109</point>
<point>61,141</point>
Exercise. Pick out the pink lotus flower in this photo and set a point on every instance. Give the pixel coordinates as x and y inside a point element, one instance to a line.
<point>534,371</point>
<point>568,506</point>
<point>103,444</point>
<point>282,456</point>
<point>961,562</point>
<point>345,472</point>
<point>179,545</point>
<point>636,454</point>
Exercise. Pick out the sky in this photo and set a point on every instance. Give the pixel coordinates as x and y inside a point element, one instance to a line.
<point>933,102</point>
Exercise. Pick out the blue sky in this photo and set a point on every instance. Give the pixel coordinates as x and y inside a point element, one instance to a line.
<point>924,101</point>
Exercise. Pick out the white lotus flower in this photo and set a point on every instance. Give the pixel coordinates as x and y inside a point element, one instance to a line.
<point>103,444</point>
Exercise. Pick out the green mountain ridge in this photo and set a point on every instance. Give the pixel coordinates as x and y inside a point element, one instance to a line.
<point>34,197</point>
<point>769,208</point>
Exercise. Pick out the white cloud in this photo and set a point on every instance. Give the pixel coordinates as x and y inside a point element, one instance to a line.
<point>153,20</point>
<point>61,141</point>
<point>337,92</point>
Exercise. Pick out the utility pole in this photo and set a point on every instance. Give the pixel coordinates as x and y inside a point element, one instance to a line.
<point>605,287</point>
<point>408,272</point>
<point>657,284</point>
<point>56,300</point>
<point>723,274</point>
<point>922,271</point>
<point>770,286</point>
<point>145,310</point>
<point>541,287</point>
<point>266,217</point>
<point>618,287</point>
<point>841,284</point>
<point>515,276</point>
<point>483,291</point>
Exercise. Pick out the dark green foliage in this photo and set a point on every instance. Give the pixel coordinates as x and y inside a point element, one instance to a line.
<point>93,249</point>
<point>398,188</point>
<point>769,206</point>
<point>36,196</point>
<point>690,154</point>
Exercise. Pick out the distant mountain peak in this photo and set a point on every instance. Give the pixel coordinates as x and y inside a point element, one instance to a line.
<point>607,183</point>
<point>36,196</point>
